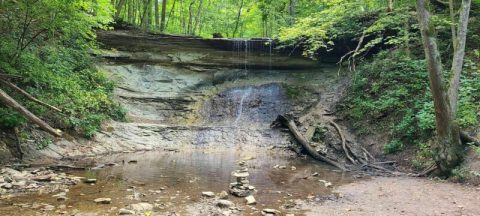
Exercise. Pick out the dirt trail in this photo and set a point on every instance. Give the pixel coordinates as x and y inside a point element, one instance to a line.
<point>400,196</point>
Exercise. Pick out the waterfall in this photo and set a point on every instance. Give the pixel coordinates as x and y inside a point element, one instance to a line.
<point>246,54</point>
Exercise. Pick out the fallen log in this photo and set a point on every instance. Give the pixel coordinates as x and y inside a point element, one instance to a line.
<point>7,100</point>
<point>27,95</point>
<point>305,144</point>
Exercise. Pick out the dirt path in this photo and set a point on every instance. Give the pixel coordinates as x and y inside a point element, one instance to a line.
<point>401,196</point>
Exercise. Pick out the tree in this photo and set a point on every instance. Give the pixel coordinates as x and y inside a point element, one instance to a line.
<point>164,11</point>
<point>447,149</point>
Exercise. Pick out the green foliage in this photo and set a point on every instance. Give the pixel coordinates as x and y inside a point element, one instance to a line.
<point>10,118</point>
<point>52,57</point>
<point>343,20</point>
<point>392,91</point>
<point>393,146</point>
<point>43,143</point>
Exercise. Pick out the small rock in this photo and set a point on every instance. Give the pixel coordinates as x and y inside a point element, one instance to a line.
<point>293,168</point>
<point>123,211</point>
<point>250,200</point>
<point>223,195</point>
<point>326,183</point>
<point>225,204</point>
<point>315,174</point>
<point>103,200</point>
<point>132,161</point>
<point>270,211</point>
<point>208,194</point>
<point>282,167</point>
<point>90,181</point>
<point>7,186</point>
<point>61,198</point>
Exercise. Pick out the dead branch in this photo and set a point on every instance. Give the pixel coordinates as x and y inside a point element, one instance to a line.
<point>344,142</point>
<point>29,96</point>
<point>305,144</point>
<point>7,100</point>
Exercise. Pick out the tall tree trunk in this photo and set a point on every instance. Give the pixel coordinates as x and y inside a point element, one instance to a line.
<point>130,15</point>
<point>164,13</point>
<point>190,17</point>
<point>291,11</point>
<point>157,15</point>
<point>120,6</point>
<point>459,53</point>
<point>238,18</point>
<point>447,149</point>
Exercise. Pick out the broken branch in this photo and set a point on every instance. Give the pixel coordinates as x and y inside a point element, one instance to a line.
<point>29,96</point>
<point>7,100</point>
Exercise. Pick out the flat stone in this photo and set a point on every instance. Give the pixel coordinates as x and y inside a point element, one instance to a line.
<point>103,200</point>
<point>208,194</point>
<point>241,174</point>
<point>224,203</point>
<point>250,200</point>
<point>141,207</point>
<point>123,211</point>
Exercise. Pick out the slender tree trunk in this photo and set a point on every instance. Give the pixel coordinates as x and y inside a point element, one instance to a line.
<point>459,54</point>
<point>157,15</point>
<point>291,11</point>
<point>238,18</point>
<point>197,17</point>
<point>447,149</point>
<point>452,25</point>
<point>390,6</point>
<point>190,18</point>
<point>164,13</point>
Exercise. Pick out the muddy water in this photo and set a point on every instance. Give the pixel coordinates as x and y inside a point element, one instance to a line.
<point>173,181</point>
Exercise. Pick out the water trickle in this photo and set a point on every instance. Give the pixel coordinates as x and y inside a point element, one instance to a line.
<point>240,106</point>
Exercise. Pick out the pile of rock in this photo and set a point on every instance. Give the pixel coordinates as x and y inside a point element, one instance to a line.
<point>242,187</point>
<point>12,180</point>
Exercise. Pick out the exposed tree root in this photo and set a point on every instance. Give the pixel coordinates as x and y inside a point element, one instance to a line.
<point>356,159</point>
<point>305,144</point>
<point>344,142</point>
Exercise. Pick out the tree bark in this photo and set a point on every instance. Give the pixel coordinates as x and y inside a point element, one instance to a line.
<point>164,12</point>
<point>447,149</point>
<point>291,11</point>
<point>7,100</point>
<point>459,54</point>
